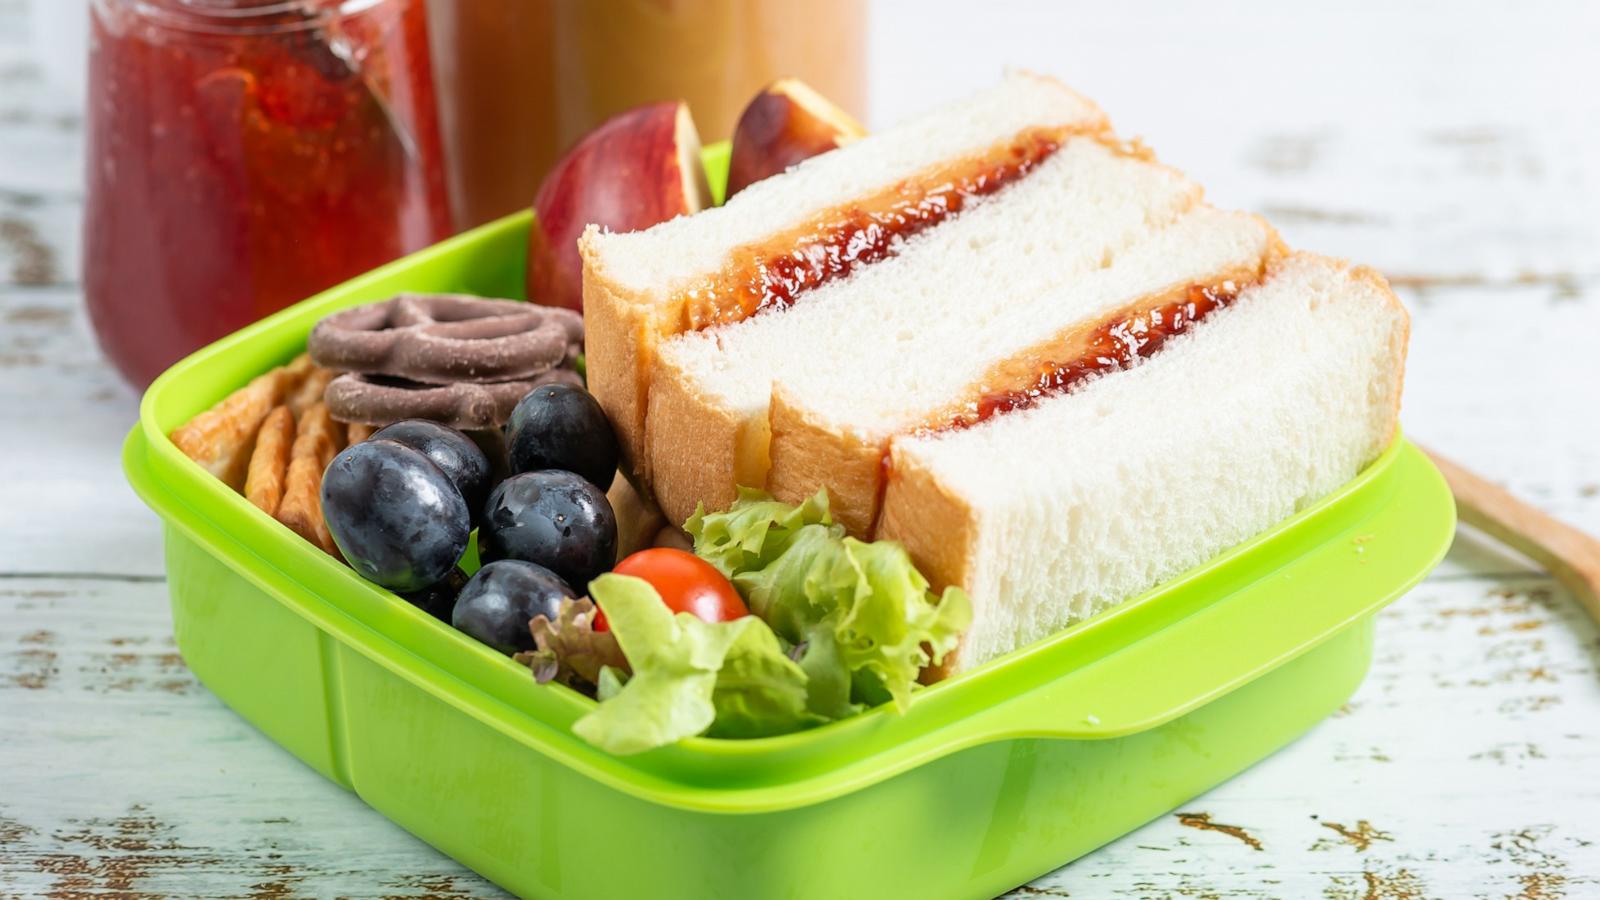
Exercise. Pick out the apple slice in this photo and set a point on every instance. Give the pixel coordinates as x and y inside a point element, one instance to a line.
<point>784,124</point>
<point>637,169</point>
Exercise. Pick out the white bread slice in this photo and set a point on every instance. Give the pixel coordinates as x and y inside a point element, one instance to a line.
<point>1049,515</point>
<point>632,282</point>
<point>830,431</point>
<point>916,329</point>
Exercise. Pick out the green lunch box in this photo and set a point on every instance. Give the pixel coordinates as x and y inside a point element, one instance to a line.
<point>990,779</point>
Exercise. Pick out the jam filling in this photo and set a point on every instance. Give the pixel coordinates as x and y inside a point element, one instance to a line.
<point>1114,345</point>
<point>1061,365</point>
<point>773,273</point>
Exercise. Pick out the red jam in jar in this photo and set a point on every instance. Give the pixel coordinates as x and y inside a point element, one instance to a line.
<point>245,154</point>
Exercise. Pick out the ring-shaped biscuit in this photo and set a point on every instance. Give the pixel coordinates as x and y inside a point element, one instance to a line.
<point>380,400</point>
<point>444,339</point>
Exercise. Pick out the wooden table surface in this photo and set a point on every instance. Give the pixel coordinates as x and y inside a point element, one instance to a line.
<point>1456,147</point>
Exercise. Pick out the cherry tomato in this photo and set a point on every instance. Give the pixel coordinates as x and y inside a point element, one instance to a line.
<point>685,582</point>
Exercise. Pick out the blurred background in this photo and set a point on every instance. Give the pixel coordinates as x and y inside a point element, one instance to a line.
<point>1451,145</point>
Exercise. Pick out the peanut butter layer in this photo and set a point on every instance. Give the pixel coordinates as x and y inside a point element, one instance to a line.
<point>773,272</point>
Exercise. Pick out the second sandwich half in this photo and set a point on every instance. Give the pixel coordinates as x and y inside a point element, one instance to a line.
<point>1006,338</point>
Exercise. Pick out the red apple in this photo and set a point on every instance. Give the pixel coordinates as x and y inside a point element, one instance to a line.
<point>786,123</point>
<point>637,169</point>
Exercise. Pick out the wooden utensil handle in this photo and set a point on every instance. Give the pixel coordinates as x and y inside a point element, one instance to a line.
<point>1570,555</point>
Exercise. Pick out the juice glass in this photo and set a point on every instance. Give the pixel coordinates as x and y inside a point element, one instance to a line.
<point>521,80</point>
<point>245,154</point>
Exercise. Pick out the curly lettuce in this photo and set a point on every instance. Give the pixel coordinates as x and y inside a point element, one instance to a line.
<point>569,650</point>
<point>861,611</point>
<point>687,676</point>
<point>839,625</point>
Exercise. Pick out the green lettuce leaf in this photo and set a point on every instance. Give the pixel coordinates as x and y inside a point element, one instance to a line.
<point>894,626</point>
<point>839,625</point>
<point>728,679</point>
<point>863,615</point>
<point>829,685</point>
<point>668,696</point>
<point>755,531</point>
<point>760,691</point>
<point>611,681</point>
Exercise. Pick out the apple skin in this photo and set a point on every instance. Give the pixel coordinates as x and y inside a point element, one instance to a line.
<point>786,123</point>
<point>638,168</point>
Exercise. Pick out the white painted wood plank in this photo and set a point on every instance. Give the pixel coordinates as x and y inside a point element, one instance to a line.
<point>65,506</point>
<point>1505,381</point>
<point>119,772</point>
<point>1420,138</point>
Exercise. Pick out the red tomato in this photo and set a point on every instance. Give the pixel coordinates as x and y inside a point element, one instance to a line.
<point>685,582</point>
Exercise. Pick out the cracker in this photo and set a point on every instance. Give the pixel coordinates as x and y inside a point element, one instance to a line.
<point>316,442</point>
<point>310,390</point>
<point>638,517</point>
<point>221,438</point>
<point>269,462</point>
<point>356,432</point>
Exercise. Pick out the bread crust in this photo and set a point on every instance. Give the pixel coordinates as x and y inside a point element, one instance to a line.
<point>809,452</point>
<point>619,348</point>
<point>939,528</point>
<point>1399,341</point>
<point>694,446</point>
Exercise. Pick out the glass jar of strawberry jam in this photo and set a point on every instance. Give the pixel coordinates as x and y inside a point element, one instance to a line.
<point>245,154</point>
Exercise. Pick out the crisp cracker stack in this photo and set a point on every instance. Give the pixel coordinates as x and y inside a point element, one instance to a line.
<point>270,440</point>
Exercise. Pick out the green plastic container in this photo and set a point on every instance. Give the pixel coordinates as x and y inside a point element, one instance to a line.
<point>989,780</point>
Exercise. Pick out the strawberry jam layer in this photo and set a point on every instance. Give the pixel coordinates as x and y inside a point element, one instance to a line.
<point>772,273</point>
<point>1115,344</point>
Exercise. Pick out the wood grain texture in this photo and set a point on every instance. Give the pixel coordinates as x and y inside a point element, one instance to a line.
<point>1449,145</point>
<point>1568,554</point>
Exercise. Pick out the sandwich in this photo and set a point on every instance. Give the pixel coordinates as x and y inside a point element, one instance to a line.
<point>1006,338</point>
<point>780,239</point>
